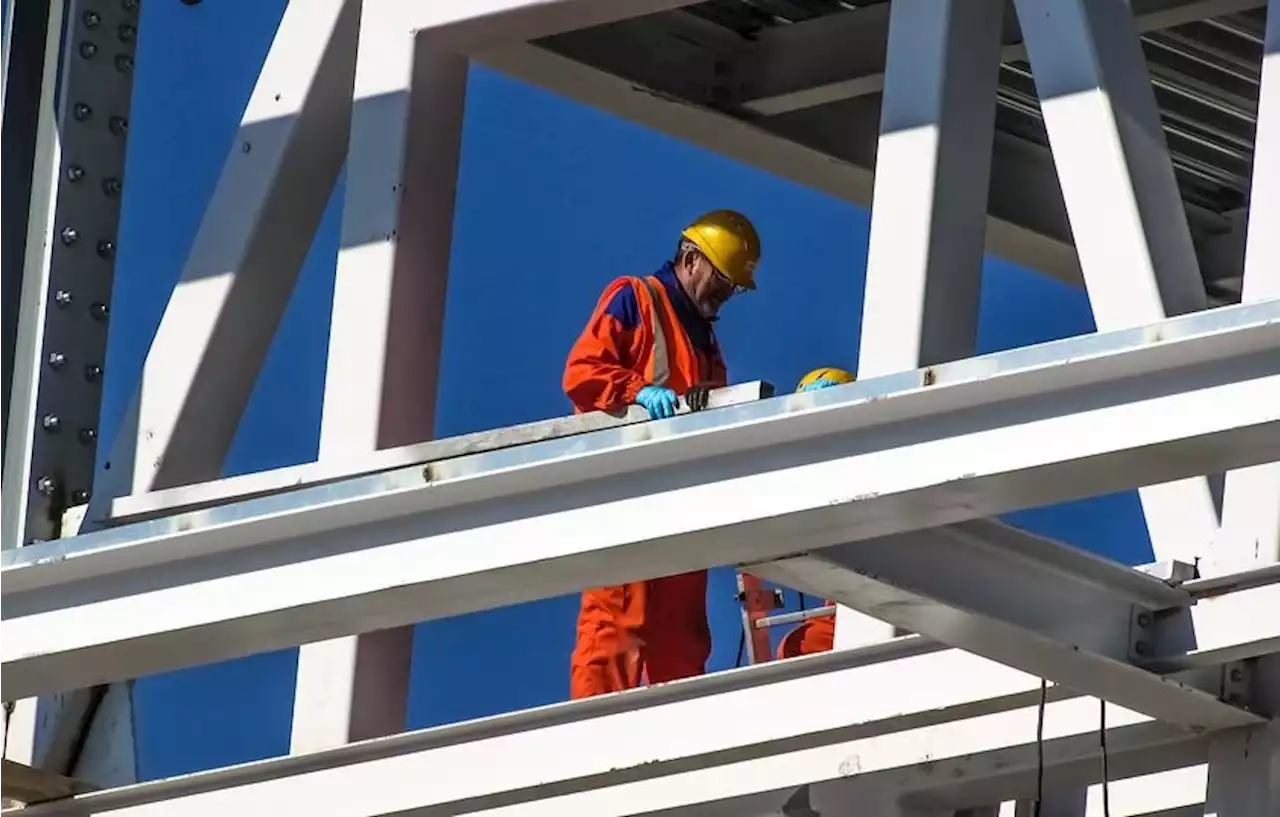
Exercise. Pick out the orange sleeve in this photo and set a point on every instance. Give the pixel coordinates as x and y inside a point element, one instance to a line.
<point>600,373</point>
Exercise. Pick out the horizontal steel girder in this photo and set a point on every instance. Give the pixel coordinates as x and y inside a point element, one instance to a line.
<point>754,482</point>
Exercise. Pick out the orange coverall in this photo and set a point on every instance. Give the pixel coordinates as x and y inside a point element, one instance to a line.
<point>655,629</point>
<point>813,635</point>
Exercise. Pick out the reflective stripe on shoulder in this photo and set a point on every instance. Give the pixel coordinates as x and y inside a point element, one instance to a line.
<point>661,362</point>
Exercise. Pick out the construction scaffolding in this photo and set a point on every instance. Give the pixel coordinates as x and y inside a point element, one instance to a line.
<point>1132,148</point>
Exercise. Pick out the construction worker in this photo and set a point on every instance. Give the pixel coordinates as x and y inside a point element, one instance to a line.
<point>815,634</point>
<point>650,341</point>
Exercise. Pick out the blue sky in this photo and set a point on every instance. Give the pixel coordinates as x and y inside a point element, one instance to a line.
<point>540,175</point>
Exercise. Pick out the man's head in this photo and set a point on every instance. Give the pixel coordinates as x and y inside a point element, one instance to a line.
<point>716,257</point>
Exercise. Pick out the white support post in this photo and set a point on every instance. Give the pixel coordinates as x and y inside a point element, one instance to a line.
<point>924,264</point>
<point>223,314</point>
<point>386,333</point>
<point>1244,773</point>
<point>1123,204</point>
<point>1250,532</point>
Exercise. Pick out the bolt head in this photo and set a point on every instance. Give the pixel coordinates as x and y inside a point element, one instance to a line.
<point>88,50</point>
<point>87,436</point>
<point>69,236</point>
<point>81,112</point>
<point>62,297</point>
<point>124,63</point>
<point>91,19</point>
<point>79,496</point>
<point>99,311</point>
<point>75,173</point>
<point>46,485</point>
<point>126,33</point>
<point>57,360</point>
<point>50,423</point>
<point>106,249</point>
<point>93,373</point>
<point>111,187</point>
<point>118,125</point>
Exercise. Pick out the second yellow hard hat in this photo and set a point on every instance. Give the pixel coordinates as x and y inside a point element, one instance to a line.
<point>825,373</point>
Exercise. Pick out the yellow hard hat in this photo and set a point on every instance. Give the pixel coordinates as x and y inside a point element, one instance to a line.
<point>825,373</point>
<point>730,242</point>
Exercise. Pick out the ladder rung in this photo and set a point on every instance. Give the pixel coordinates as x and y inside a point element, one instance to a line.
<point>799,615</point>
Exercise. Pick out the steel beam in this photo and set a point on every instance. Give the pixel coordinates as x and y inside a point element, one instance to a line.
<point>924,262</point>
<point>1123,202</point>
<point>26,53</point>
<point>1250,533</point>
<point>835,749</point>
<point>385,333</point>
<point>76,178</point>
<point>222,316</point>
<point>887,455</point>
<point>1244,773</point>
<point>151,505</point>
<point>752,145</point>
<point>842,56</point>
<point>1031,603</point>
<point>465,26</point>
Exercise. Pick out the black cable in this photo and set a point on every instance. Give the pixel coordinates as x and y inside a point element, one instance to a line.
<point>1106,779</point>
<point>742,648</point>
<point>1044,698</point>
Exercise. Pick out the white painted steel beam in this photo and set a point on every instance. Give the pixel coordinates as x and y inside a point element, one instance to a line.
<point>888,455</point>
<point>1171,793</point>
<point>687,748</point>
<point>222,316</point>
<point>1244,773</point>
<point>139,507</point>
<point>749,144</point>
<point>385,333</point>
<point>1039,606</point>
<point>1123,203</point>
<point>925,255</point>
<point>465,26</point>
<point>1250,531</point>
<point>838,57</point>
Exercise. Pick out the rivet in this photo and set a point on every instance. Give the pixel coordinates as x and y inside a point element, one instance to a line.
<point>69,236</point>
<point>50,423</point>
<point>87,435</point>
<point>1237,675</point>
<point>91,19</point>
<point>62,298</point>
<point>93,373</point>
<point>57,360</point>
<point>46,485</point>
<point>126,33</point>
<point>88,49</point>
<point>1144,619</point>
<point>124,63</point>
<point>75,173</point>
<point>118,125</point>
<point>130,5</point>
<point>79,496</point>
<point>81,112</point>
<point>106,248</point>
<point>111,187</point>
<point>98,310</point>
<point>1142,648</point>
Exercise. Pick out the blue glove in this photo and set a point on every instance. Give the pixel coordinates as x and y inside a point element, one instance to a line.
<point>659,402</point>
<point>820,383</point>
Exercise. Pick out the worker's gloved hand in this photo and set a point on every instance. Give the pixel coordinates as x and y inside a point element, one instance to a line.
<point>820,383</point>
<point>658,401</point>
<point>698,397</point>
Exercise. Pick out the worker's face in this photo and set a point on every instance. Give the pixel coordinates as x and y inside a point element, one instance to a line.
<point>707,287</point>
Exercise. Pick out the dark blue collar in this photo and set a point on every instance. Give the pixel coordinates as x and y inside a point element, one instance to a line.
<point>698,327</point>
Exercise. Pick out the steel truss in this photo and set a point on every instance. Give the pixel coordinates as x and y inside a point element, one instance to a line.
<point>874,494</point>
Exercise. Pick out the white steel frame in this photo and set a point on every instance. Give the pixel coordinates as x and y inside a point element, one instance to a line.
<point>873,494</point>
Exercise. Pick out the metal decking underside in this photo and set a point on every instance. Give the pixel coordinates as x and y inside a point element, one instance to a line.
<point>724,54</point>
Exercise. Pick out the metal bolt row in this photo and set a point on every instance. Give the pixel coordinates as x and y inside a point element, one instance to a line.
<point>125,34</point>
